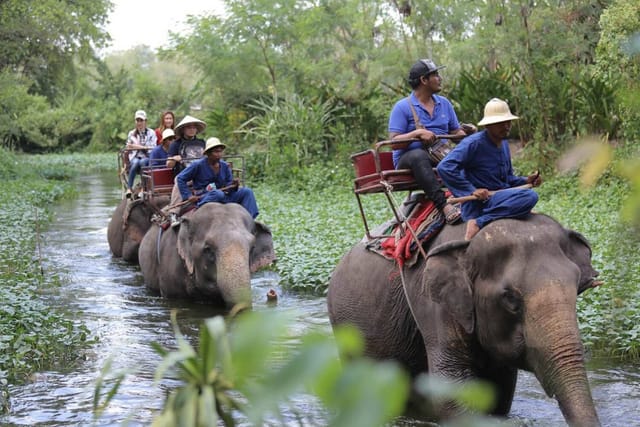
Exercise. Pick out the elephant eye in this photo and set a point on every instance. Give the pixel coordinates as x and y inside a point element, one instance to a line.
<point>208,252</point>
<point>512,300</point>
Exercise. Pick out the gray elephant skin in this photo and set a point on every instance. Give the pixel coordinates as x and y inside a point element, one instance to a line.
<point>129,223</point>
<point>209,257</point>
<point>482,309</point>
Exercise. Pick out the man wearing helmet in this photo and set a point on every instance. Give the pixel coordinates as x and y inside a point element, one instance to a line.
<point>480,165</point>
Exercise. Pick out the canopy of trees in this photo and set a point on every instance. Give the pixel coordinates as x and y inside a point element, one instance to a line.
<point>310,81</point>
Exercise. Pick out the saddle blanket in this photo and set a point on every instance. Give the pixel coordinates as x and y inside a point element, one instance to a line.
<point>424,218</point>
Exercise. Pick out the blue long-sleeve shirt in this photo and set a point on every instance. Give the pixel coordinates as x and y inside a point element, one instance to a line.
<point>201,173</point>
<point>476,162</point>
<point>158,156</point>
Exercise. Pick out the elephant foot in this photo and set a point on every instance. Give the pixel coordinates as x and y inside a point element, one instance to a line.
<point>472,229</point>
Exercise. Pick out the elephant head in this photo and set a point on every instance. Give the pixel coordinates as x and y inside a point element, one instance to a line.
<point>221,245</point>
<point>506,300</point>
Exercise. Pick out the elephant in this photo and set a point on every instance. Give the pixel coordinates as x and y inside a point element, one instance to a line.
<point>129,223</point>
<point>478,309</point>
<point>209,257</point>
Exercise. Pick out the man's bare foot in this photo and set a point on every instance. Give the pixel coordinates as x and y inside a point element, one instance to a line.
<point>472,229</point>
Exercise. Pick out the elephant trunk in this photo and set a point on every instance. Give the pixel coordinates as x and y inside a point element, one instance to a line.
<point>556,355</point>
<point>233,276</point>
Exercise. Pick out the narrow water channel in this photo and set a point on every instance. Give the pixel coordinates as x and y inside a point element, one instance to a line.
<point>109,296</point>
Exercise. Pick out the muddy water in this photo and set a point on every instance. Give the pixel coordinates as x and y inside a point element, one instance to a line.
<point>109,296</point>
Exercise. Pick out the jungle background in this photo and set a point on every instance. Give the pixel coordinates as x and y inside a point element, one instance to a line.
<point>298,86</point>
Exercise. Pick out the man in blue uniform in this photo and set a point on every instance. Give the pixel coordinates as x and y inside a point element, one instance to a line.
<point>213,180</point>
<point>482,163</point>
<point>422,116</point>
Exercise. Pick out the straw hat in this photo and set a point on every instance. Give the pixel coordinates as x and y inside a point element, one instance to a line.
<point>200,125</point>
<point>213,143</point>
<point>496,111</point>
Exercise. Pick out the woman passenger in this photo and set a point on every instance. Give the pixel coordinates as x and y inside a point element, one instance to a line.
<point>167,121</point>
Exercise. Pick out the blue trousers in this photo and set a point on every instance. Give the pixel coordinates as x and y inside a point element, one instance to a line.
<point>243,195</point>
<point>135,165</point>
<point>510,203</point>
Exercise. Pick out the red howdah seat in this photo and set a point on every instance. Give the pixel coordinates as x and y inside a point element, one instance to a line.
<point>375,173</point>
<point>157,180</point>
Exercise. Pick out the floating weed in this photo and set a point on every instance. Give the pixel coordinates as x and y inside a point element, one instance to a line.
<point>312,232</point>
<point>33,336</point>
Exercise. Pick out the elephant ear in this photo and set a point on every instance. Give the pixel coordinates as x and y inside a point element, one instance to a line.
<point>185,238</point>
<point>262,253</point>
<point>448,284</point>
<point>131,204</point>
<point>579,251</point>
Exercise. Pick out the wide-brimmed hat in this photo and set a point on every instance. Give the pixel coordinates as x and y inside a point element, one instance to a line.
<point>496,111</point>
<point>213,143</point>
<point>168,133</point>
<point>140,114</point>
<point>200,125</point>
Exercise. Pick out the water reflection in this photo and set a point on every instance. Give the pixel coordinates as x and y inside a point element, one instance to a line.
<point>109,296</point>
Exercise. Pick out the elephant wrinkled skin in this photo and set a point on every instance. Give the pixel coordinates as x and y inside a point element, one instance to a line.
<point>209,257</point>
<point>129,223</point>
<point>482,309</point>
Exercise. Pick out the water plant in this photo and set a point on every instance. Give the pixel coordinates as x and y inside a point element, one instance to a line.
<point>33,335</point>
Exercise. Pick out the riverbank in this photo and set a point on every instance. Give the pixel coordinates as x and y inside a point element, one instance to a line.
<point>33,337</point>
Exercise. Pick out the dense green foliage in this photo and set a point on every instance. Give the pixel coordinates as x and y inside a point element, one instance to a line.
<point>565,67</point>
<point>33,336</point>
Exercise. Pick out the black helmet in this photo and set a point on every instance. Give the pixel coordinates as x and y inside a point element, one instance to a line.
<point>421,68</point>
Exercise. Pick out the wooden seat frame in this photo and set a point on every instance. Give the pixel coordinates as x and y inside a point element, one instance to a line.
<point>375,173</point>
<point>159,180</point>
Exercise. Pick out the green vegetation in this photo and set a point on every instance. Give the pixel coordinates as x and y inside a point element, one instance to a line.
<point>33,337</point>
<point>251,362</point>
<point>297,110</point>
<point>566,68</point>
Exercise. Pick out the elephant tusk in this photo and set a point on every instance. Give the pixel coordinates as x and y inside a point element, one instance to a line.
<point>596,283</point>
